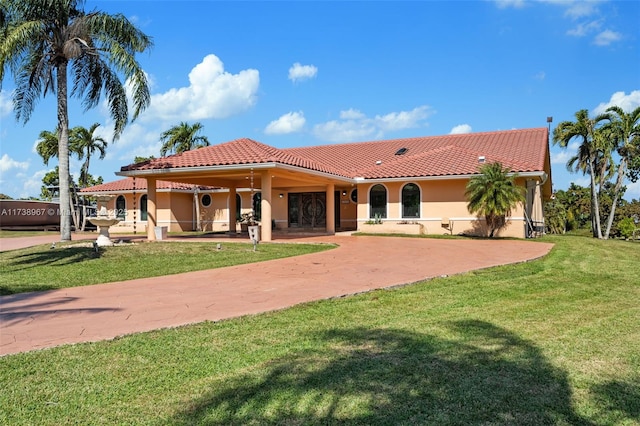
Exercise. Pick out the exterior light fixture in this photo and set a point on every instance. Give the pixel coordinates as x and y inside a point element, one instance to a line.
<point>281,195</point>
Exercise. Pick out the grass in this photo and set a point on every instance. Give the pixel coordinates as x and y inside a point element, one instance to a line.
<point>76,263</point>
<point>553,341</point>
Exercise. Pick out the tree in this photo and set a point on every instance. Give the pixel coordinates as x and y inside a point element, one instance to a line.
<point>84,144</point>
<point>139,159</point>
<point>625,131</point>
<point>47,146</point>
<point>43,41</point>
<point>584,128</point>
<point>493,194</point>
<point>181,138</point>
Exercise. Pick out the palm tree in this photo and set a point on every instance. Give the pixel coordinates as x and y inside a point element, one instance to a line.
<point>47,146</point>
<point>587,157</point>
<point>626,130</point>
<point>493,194</point>
<point>183,137</point>
<point>43,41</point>
<point>84,144</point>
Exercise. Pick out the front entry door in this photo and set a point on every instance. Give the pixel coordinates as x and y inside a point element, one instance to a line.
<point>308,210</point>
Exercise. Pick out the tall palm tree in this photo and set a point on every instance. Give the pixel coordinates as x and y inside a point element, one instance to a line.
<point>493,194</point>
<point>183,137</point>
<point>584,128</point>
<point>625,128</point>
<point>47,145</point>
<point>43,41</point>
<point>83,143</point>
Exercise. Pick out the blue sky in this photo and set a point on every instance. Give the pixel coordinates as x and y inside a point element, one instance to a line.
<point>308,73</point>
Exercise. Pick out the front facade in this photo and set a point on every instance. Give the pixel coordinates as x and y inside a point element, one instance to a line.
<point>413,185</point>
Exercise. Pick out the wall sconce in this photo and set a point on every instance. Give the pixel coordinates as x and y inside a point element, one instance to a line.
<point>281,195</point>
<point>344,193</point>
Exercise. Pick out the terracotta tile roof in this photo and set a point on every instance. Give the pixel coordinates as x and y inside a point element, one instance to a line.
<point>239,151</point>
<point>126,184</point>
<point>521,150</point>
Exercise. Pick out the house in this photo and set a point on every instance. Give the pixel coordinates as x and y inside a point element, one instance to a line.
<point>410,185</point>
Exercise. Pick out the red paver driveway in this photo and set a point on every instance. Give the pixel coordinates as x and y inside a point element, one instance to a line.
<point>45,319</point>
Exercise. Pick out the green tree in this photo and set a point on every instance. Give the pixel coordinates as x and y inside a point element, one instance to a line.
<point>83,143</point>
<point>43,41</point>
<point>493,194</point>
<point>625,132</point>
<point>181,138</point>
<point>47,145</point>
<point>589,152</point>
<point>139,159</point>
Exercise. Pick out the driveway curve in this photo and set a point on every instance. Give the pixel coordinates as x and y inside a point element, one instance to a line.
<point>40,320</point>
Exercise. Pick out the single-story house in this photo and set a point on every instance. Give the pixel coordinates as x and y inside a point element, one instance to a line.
<point>410,185</point>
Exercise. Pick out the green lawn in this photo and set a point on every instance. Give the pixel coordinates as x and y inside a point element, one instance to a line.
<point>77,263</point>
<point>553,341</point>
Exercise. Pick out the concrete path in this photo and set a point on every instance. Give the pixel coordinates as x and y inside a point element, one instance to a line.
<point>45,319</point>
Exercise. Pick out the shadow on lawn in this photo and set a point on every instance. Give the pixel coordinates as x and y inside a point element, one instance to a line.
<point>619,399</point>
<point>482,374</point>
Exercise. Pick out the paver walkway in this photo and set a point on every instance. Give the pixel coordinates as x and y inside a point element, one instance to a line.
<point>45,319</point>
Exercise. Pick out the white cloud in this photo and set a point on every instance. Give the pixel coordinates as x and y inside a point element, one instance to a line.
<point>580,9</point>
<point>6,104</point>
<point>299,72</point>
<point>633,191</point>
<point>288,123</point>
<point>503,4</point>
<point>7,163</point>
<point>212,93</point>
<point>561,157</point>
<point>540,75</point>
<point>351,114</point>
<point>460,129</point>
<point>403,119</point>
<point>353,125</point>
<point>585,28</point>
<point>607,37</point>
<point>627,102</point>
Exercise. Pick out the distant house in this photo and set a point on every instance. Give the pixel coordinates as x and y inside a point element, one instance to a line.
<point>412,185</point>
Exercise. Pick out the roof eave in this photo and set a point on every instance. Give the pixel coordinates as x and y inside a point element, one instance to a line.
<point>360,179</point>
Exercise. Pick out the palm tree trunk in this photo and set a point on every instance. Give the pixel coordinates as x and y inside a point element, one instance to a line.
<point>63,153</point>
<point>622,170</point>
<point>595,205</point>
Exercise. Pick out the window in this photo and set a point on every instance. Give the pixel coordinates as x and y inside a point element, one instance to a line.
<point>143,207</point>
<point>378,202</point>
<point>354,195</point>
<point>206,200</point>
<point>121,208</point>
<point>410,200</point>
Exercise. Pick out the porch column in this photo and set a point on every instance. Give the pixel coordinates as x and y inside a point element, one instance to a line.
<point>232,209</point>
<point>265,205</point>
<point>152,210</point>
<point>331,209</point>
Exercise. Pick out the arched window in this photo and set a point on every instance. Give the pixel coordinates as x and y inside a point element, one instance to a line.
<point>410,200</point>
<point>238,206</point>
<point>378,202</point>
<point>143,207</point>
<point>121,207</point>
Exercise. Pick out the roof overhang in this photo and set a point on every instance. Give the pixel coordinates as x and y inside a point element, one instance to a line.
<point>166,174</point>
<point>537,174</point>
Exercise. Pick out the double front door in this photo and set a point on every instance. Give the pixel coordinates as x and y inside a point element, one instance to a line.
<point>308,210</point>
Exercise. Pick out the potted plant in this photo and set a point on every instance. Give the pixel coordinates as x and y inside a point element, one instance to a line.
<point>247,220</point>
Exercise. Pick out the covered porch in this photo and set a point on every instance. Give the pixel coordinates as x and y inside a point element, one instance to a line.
<point>291,200</point>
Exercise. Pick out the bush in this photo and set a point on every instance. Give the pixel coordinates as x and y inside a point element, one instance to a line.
<point>626,227</point>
